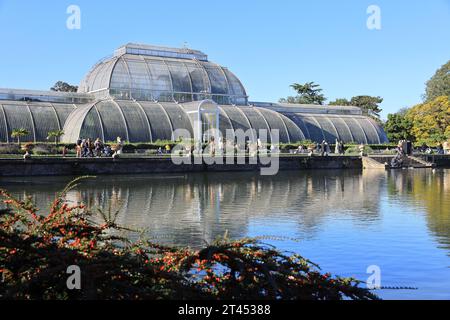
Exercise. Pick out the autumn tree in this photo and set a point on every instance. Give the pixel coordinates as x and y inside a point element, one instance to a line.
<point>431,120</point>
<point>398,126</point>
<point>439,84</point>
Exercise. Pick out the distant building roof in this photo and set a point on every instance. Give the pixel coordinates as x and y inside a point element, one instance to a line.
<point>157,51</point>
<point>309,108</point>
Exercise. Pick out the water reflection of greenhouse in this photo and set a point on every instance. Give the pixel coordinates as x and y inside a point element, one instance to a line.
<point>200,207</point>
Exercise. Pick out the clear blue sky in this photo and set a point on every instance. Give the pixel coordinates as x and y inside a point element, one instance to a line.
<point>267,44</point>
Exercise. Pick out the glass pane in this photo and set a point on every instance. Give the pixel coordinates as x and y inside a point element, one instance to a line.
<point>63,111</point>
<point>328,129</point>
<point>199,78</point>
<point>113,123</point>
<point>44,121</point>
<point>120,78</point>
<point>237,118</point>
<point>236,87</point>
<point>138,128</point>
<point>140,80</point>
<point>315,132</point>
<point>295,133</point>
<point>180,77</point>
<point>357,132</point>
<point>296,118</point>
<point>344,132</point>
<point>160,79</point>
<point>217,78</point>
<point>91,127</point>
<point>371,132</point>
<point>275,123</point>
<point>159,123</point>
<point>4,134</point>
<point>19,117</point>
<point>257,121</point>
<point>178,117</point>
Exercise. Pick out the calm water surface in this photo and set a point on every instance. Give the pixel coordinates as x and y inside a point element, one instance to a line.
<point>345,221</point>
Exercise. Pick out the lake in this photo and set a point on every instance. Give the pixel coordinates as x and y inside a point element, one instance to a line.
<point>345,221</point>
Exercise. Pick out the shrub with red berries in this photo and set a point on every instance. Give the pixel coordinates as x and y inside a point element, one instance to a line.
<point>37,248</point>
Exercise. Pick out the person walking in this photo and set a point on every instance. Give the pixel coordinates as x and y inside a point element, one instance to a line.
<point>98,147</point>
<point>91,148</point>
<point>167,148</point>
<point>84,148</point>
<point>446,147</point>
<point>323,147</point>
<point>119,145</point>
<point>361,149</point>
<point>212,147</point>
<point>64,151</point>
<point>78,148</point>
<point>341,147</point>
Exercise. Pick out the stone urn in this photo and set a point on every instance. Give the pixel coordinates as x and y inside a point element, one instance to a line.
<point>117,148</point>
<point>27,148</point>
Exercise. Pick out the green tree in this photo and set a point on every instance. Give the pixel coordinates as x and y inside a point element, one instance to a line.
<point>340,102</point>
<point>56,134</point>
<point>368,104</point>
<point>62,86</point>
<point>431,121</point>
<point>19,133</point>
<point>308,93</point>
<point>439,84</point>
<point>398,126</point>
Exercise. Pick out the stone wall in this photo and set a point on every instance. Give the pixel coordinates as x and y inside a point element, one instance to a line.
<point>77,167</point>
<point>441,161</point>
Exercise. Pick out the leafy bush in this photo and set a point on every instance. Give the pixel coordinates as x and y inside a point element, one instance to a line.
<point>42,151</point>
<point>47,150</point>
<point>36,249</point>
<point>352,150</point>
<point>10,149</point>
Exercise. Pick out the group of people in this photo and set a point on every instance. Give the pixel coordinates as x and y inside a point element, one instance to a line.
<point>88,148</point>
<point>220,146</point>
<point>442,148</point>
<point>322,148</point>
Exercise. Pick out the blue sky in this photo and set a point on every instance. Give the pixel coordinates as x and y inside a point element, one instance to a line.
<point>267,44</point>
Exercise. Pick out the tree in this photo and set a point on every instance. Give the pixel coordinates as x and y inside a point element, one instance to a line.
<point>368,104</point>
<point>340,102</point>
<point>308,93</point>
<point>62,86</point>
<point>431,121</point>
<point>439,84</point>
<point>399,127</point>
<point>56,134</point>
<point>18,133</point>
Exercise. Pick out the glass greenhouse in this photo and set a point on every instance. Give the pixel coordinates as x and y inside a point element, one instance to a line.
<point>145,93</point>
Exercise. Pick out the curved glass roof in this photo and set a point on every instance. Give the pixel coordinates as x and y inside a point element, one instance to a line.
<point>38,118</point>
<point>348,128</point>
<point>162,74</point>
<point>134,121</point>
<point>144,121</point>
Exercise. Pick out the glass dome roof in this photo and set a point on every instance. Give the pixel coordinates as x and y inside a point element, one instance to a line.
<point>150,73</point>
